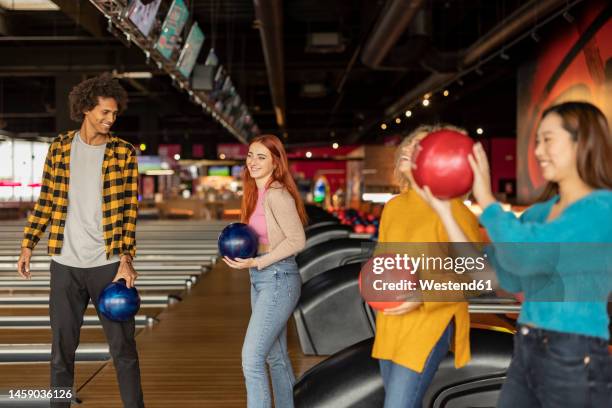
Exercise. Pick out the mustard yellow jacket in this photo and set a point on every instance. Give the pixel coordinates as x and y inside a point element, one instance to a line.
<point>408,339</point>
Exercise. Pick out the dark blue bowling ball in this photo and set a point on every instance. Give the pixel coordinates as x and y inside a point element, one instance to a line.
<point>238,240</point>
<point>119,303</point>
<point>351,213</point>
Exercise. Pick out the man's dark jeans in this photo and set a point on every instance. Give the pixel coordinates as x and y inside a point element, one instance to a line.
<point>71,289</point>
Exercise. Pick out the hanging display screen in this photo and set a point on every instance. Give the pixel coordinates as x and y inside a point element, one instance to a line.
<point>143,16</point>
<point>171,29</point>
<point>191,50</point>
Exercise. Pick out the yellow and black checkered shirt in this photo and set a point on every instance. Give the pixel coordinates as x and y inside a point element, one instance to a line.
<point>119,197</point>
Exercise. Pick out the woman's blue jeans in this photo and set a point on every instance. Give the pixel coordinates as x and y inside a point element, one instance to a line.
<point>557,370</point>
<point>275,291</point>
<point>405,388</point>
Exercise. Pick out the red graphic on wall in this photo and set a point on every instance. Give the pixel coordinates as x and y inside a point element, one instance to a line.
<point>575,65</point>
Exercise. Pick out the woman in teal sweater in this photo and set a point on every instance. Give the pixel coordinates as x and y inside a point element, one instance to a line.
<point>561,356</point>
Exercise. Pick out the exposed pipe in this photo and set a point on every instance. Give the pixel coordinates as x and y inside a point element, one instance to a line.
<point>391,24</point>
<point>270,23</point>
<point>84,14</point>
<point>523,18</point>
<point>517,22</point>
<point>59,38</point>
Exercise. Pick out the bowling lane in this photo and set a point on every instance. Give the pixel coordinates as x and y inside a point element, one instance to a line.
<point>36,375</point>
<point>43,336</point>
<point>203,336</point>
<point>152,311</point>
<point>172,258</point>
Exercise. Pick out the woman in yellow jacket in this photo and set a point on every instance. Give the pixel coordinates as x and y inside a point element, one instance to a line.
<point>413,338</point>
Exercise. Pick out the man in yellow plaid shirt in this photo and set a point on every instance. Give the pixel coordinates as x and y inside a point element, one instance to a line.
<point>89,202</point>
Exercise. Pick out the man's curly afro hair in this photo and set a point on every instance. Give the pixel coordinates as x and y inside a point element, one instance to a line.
<point>84,96</point>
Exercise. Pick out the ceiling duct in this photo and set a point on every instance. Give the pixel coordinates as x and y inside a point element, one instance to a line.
<point>4,28</point>
<point>391,24</point>
<point>325,43</point>
<point>270,23</point>
<point>518,22</point>
<point>313,90</point>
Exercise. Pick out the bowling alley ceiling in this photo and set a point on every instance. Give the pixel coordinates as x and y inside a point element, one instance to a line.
<point>324,69</point>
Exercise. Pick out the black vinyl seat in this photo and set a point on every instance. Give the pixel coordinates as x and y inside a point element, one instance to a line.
<point>324,233</point>
<point>331,315</point>
<point>321,223</point>
<point>351,378</point>
<point>316,213</point>
<point>328,255</point>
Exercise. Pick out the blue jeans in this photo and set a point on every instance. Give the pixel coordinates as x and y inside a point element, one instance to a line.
<point>405,388</point>
<point>552,369</point>
<point>275,291</point>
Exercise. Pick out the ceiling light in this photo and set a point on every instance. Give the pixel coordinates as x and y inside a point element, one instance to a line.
<point>143,147</point>
<point>159,172</point>
<point>479,131</point>
<point>335,145</point>
<point>445,93</point>
<point>222,156</point>
<point>28,5</point>
<point>383,126</point>
<point>308,155</point>
<point>398,120</point>
<point>177,157</point>
<point>408,113</point>
<point>134,75</point>
<point>425,102</point>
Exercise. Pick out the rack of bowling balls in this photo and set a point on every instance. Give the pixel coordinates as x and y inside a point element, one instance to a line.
<point>361,222</point>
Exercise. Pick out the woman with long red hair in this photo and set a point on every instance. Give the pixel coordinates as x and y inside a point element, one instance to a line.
<point>272,206</point>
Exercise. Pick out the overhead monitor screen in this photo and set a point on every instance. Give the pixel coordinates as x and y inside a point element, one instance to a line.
<point>212,58</point>
<point>171,29</point>
<point>148,163</point>
<point>191,50</point>
<point>218,171</point>
<point>143,16</point>
<point>237,171</point>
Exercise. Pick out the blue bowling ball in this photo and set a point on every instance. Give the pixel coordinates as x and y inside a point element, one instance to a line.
<point>352,213</point>
<point>238,240</point>
<point>119,303</point>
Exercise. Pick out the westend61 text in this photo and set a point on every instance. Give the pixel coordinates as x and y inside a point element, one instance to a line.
<point>428,285</point>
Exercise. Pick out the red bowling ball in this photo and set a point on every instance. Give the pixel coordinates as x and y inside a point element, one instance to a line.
<point>386,299</point>
<point>440,161</point>
<point>370,229</point>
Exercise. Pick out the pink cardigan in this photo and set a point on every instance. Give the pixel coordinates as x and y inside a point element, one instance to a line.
<point>285,231</point>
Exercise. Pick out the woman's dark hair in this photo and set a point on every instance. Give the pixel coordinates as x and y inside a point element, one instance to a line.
<point>84,96</point>
<point>588,127</point>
